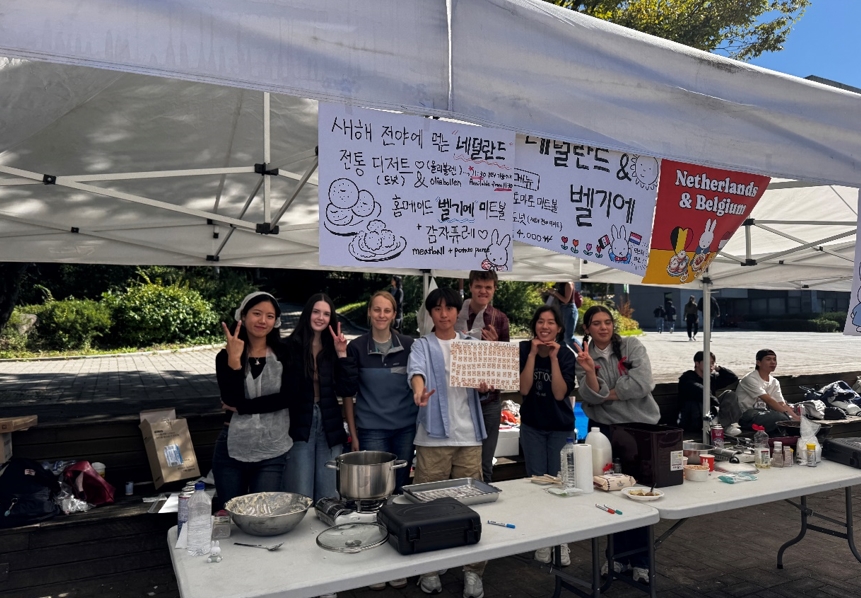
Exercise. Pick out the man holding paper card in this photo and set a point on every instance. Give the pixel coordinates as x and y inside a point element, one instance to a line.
<point>480,320</point>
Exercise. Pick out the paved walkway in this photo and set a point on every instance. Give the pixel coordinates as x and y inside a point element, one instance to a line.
<point>124,385</point>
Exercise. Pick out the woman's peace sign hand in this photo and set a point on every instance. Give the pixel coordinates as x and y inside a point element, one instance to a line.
<point>235,345</point>
<point>340,341</point>
<point>584,359</point>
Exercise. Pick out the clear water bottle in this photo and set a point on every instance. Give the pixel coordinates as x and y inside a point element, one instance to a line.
<point>761,452</point>
<point>199,521</point>
<point>569,475</point>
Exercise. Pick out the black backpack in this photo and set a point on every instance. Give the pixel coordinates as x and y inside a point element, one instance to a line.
<point>27,493</point>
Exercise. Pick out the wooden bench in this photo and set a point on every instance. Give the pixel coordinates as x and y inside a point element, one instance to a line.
<point>112,550</point>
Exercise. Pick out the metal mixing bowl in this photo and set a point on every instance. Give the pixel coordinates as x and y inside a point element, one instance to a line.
<point>693,450</point>
<point>268,513</point>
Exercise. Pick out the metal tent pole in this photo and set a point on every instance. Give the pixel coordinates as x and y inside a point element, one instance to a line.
<point>707,358</point>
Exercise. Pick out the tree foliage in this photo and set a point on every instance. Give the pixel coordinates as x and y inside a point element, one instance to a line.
<point>740,29</point>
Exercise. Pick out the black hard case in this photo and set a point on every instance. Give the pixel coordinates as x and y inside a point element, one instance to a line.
<point>438,524</point>
<point>646,452</point>
<point>843,450</point>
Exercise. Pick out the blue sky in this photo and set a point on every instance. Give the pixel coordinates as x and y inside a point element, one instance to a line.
<point>826,42</point>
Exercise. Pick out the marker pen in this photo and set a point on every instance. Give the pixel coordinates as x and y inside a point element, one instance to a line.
<point>508,525</point>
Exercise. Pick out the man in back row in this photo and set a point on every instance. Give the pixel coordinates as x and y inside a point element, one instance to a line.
<point>760,400</point>
<point>691,396</point>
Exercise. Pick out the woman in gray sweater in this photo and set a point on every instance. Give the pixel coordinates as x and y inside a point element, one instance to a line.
<point>614,379</point>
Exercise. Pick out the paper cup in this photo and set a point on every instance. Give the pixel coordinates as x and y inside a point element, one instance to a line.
<point>708,460</point>
<point>99,467</point>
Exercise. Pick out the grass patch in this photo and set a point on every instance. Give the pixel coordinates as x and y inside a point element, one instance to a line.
<point>71,354</point>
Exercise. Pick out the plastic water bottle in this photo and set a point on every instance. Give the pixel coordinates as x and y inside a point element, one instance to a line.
<point>199,521</point>
<point>761,452</point>
<point>602,452</point>
<point>569,475</point>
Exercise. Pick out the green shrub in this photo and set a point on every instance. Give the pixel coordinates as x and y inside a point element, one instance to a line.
<point>623,324</point>
<point>152,313</point>
<point>518,300</point>
<point>71,323</point>
<point>16,334</point>
<point>836,316</point>
<point>410,326</point>
<point>797,325</point>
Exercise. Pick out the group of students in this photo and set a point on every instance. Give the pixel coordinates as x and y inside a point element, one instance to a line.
<point>284,420</point>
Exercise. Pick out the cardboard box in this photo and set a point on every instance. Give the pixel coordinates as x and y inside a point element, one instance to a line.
<point>168,446</point>
<point>11,424</point>
<point>5,447</point>
<point>508,444</point>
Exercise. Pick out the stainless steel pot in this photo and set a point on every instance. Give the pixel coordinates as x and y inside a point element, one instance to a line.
<point>693,450</point>
<point>366,475</point>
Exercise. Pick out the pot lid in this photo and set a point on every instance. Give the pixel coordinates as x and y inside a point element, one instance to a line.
<point>352,537</point>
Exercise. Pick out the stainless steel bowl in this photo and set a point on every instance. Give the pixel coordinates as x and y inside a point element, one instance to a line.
<point>693,450</point>
<point>268,513</point>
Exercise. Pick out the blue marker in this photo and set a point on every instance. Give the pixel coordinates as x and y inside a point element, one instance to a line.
<point>508,525</point>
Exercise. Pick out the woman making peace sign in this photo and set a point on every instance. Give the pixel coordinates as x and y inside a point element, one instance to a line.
<point>251,451</point>
<point>320,373</point>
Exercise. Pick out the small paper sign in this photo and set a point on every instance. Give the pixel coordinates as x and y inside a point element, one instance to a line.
<point>496,364</point>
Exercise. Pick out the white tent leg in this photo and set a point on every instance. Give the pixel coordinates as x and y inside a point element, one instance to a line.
<point>425,283</point>
<point>267,159</point>
<point>707,358</point>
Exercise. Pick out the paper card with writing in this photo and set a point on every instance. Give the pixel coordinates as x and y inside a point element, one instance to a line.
<point>495,364</point>
<point>584,201</point>
<point>413,192</point>
<point>699,209</point>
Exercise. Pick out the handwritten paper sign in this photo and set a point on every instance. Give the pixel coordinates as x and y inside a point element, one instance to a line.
<point>412,192</point>
<point>698,211</point>
<point>584,201</point>
<point>474,362</point>
<point>853,318</point>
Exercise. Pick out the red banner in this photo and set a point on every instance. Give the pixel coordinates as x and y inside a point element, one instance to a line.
<point>697,212</point>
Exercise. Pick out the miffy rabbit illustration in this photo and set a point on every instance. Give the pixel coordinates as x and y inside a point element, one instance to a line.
<point>620,249</point>
<point>856,311</point>
<point>707,237</point>
<point>497,253</point>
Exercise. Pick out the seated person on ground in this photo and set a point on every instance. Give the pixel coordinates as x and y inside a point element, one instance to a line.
<point>760,400</point>
<point>691,395</point>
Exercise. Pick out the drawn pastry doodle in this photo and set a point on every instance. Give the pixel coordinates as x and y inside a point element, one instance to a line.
<point>376,243</point>
<point>644,171</point>
<point>349,209</point>
<point>496,255</point>
<point>678,265</point>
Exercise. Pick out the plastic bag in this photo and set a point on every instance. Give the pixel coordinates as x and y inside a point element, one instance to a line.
<point>68,503</point>
<point>87,485</point>
<point>809,430</point>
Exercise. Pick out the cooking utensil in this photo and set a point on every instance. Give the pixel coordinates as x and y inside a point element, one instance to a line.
<point>465,490</point>
<point>693,450</point>
<point>366,475</point>
<point>268,513</point>
<point>264,547</point>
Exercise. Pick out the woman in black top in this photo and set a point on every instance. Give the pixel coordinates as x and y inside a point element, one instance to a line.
<point>546,384</point>
<point>320,373</point>
<point>251,451</point>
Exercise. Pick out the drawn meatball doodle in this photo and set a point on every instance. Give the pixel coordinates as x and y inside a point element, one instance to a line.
<point>344,193</point>
<point>365,205</point>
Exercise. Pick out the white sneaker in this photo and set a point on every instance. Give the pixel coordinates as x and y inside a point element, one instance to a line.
<point>378,586</point>
<point>565,555</point>
<point>399,583</point>
<point>617,567</point>
<point>542,555</point>
<point>641,574</point>
<point>472,585</point>
<point>733,430</point>
<point>430,583</point>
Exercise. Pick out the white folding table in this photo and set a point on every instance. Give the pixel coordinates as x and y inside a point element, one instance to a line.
<point>302,569</point>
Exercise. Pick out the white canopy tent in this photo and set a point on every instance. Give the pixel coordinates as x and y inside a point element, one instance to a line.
<point>161,170</point>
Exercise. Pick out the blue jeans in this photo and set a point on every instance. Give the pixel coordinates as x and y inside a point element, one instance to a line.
<point>542,448</point>
<point>398,442</point>
<point>569,321</point>
<point>306,471</point>
<point>659,324</point>
<point>236,478</point>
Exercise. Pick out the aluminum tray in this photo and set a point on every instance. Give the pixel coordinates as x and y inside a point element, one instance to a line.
<point>465,490</point>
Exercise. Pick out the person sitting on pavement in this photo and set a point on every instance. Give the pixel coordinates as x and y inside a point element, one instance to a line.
<point>760,400</point>
<point>547,413</point>
<point>450,422</point>
<point>480,320</point>
<point>691,395</point>
<point>692,318</point>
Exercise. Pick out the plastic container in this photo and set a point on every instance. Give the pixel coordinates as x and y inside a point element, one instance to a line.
<point>761,451</point>
<point>439,524</point>
<point>99,467</point>
<point>602,452</point>
<point>777,456</point>
<point>199,521</point>
<point>650,453</point>
<point>567,465</point>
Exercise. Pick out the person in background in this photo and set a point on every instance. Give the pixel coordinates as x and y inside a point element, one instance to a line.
<point>760,400</point>
<point>659,319</point>
<point>692,318</point>
<point>450,422</point>
<point>251,451</point>
<point>479,319</point>
<point>570,300</point>
<point>691,395</point>
<point>715,311</point>
<point>547,413</point>
<point>614,378</point>
<point>670,317</point>
<point>384,415</point>
<point>397,292</point>
<point>321,372</point>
